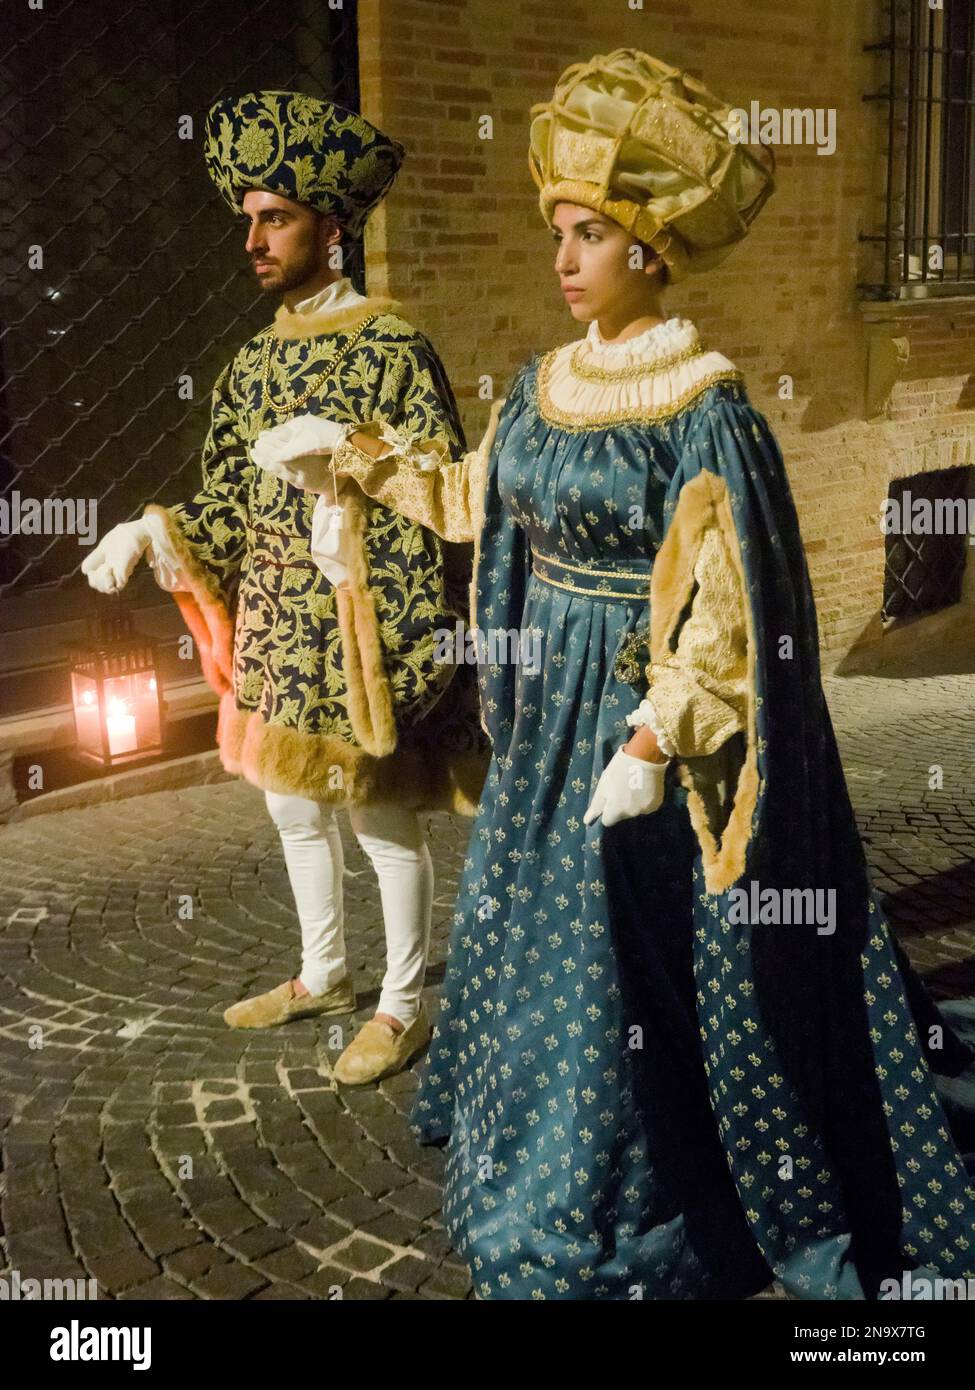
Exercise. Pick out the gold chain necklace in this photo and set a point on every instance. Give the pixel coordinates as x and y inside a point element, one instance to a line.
<point>329,367</point>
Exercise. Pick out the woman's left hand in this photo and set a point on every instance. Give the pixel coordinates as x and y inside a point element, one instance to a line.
<point>628,787</point>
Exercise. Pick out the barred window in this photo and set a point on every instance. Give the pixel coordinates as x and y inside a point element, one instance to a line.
<point>921,240</point>
<point>927,547</point>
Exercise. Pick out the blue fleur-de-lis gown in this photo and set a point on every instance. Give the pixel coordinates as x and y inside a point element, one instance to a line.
<point>607,1072</point>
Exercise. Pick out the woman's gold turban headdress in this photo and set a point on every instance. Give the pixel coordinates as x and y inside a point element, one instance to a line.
<point>650,147</point>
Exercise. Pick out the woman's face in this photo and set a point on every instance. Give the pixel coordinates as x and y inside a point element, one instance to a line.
<point>593,265</point>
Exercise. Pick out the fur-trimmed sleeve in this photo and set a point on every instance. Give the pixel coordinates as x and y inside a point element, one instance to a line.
<point>702,674</point>
<point>699,692</point>
<point>208,536</point>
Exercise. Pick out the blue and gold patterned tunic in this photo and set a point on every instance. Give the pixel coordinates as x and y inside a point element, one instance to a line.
<point>335,694</point>
<point>630,1109</point>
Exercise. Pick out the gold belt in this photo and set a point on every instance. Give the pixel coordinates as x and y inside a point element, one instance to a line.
<point>590,580</point>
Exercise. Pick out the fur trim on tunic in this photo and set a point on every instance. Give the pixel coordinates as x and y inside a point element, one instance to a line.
<point>324,767</point>
<point>288,325</point>
<point>369,697</point>
<point>203,610</point>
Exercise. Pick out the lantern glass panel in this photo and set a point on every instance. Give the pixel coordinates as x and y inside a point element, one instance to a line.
<point>146,704</point>
<point>87,714</point>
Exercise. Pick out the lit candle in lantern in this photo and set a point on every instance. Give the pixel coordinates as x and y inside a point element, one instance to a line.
<point>116,694</point>
<point>121,729</point>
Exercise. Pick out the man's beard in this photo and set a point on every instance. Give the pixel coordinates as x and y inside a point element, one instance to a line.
<point>287,278</point>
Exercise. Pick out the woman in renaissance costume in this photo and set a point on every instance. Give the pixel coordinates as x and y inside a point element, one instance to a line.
<point>646,1087</point>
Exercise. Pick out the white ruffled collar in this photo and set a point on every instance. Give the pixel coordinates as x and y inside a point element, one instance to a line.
<point>340,294</point>
<point>663,340</point>
<point>589,384</point>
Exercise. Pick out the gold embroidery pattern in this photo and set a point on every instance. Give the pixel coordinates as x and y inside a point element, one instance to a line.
<point>287,406</point>
<point>444,499</point>
<point>448,499</point>
<point>633,658</point>
<point>602,579</point>
<point>246,535</point>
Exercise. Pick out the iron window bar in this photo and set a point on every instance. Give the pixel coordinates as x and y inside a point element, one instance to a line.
<point>929,93</point>
<point>923,572</point>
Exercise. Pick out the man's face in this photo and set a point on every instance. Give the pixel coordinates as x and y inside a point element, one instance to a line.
<point>287,242</point>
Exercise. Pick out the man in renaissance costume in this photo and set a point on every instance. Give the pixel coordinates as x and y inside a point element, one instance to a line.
<point>317,619</point>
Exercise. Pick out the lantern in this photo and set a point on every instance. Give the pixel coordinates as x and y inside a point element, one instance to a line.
<point>118,710</point>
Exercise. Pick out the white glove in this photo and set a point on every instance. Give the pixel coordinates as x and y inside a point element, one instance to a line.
<point>110,564</point>
<point>628,787</point>
<point>165,563</point>
<point>299,452</point>
<point>311,472</point>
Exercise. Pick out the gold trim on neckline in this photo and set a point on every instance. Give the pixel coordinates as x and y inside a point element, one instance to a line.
<point>579,424</point>
<point>586,369</point>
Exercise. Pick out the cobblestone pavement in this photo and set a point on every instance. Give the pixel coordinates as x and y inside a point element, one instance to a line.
<point>148,1146</point>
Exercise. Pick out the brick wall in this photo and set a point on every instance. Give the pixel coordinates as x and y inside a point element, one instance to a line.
<point>461,242</point>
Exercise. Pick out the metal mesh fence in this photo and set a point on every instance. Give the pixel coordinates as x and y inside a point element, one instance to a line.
<point>122,270</point>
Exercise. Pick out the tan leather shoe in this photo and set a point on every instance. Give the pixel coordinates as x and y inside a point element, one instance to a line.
<point>378,1050</point>
<point>281,1005</point>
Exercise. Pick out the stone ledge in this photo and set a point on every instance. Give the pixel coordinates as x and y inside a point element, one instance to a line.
<point>937,643</point>
<point>883,310</point>
<point>191,771</point>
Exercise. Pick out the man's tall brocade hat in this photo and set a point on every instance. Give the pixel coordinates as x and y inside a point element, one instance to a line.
<point>301,148</point>
<point>651,148</point>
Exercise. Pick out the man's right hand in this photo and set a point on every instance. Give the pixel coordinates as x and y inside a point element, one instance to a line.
<point>110,564</point>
